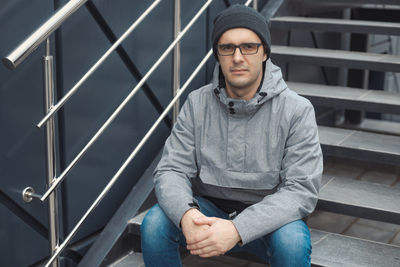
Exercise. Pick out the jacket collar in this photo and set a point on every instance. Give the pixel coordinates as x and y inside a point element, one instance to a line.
<point>271,86</point>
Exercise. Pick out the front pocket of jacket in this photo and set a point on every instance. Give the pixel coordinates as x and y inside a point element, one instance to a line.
<point>242,180</point>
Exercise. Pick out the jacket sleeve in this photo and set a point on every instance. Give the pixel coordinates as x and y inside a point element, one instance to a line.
<point>300,174</point>
<point>176,167</point>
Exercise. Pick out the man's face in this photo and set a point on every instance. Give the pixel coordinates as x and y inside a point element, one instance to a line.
<point>243,73</point>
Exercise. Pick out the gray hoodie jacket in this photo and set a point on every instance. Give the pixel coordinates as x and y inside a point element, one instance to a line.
<point>264,151</point>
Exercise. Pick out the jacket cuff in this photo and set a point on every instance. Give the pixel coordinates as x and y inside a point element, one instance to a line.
<point>241,228</point>
<point>247,234</point>
<point>181,209</point>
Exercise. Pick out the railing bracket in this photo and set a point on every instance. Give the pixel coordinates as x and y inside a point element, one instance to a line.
<point>29,193</point>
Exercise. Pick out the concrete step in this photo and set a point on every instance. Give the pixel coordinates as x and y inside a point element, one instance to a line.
<point>360,145</point>
<point>360,199</point>
<point>375,126</point>
<point>354,2</point>
<point>132,259</point>
<point>336,58</point>
<point>347,97</point>
<point>328,250</point>
<point>335,25</point>
<point>388,8</point>
<point>135,223</point>
<point>333,250</point>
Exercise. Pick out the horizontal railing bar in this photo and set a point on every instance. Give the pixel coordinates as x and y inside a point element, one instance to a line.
<point>65,98</point>
<point>130,158</point>
<point>126,59</point>
<point>59,179</point>
<point>248,2</point>
<point>19,54</point>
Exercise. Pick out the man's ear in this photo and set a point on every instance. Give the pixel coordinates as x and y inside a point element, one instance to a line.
<point>265,56</point>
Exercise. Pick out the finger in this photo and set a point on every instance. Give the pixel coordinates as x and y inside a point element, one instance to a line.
<point>203,251</point>
<point>200,236</point>
<point>199,245</point>
<point>205,220</point>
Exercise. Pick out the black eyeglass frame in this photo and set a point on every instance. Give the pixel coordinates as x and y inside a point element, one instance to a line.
<point>240,49</point>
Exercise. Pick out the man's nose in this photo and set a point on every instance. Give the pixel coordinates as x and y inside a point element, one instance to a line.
<point>237,55</point>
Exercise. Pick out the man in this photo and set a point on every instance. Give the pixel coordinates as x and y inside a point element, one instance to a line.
<point>243,164</point>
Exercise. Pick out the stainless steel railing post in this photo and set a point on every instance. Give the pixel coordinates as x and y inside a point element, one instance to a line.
<point>48,79</point>
<point>177,58</point>
<point>255,6</point>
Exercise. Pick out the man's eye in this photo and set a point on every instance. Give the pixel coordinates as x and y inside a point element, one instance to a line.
<point>248,46</point>
<point>225,47</point>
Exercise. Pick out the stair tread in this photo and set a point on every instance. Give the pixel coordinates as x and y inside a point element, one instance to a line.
<point>338,250</point>
<point>350,2</point>
<point>363,199</point>
<point>339,96</point>
<point>336,25</point>
<point>360,140</point>
<point>131,259</point>
<point>376,126</point>
<point>337,58</point>
<point>137,220</point>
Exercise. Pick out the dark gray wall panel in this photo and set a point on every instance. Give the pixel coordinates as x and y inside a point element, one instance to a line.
<point>20,246</point>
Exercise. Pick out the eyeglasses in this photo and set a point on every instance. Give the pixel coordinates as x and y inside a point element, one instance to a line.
<point>245,49</point>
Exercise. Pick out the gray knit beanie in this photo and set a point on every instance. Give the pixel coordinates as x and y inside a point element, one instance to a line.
<point>240,16</point>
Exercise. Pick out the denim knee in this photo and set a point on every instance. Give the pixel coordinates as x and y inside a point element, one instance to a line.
<point>155,224</point>
<point>291,245</point>
<point>160,239</point>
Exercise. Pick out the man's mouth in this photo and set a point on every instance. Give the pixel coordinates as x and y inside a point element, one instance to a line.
<point>238,70</point>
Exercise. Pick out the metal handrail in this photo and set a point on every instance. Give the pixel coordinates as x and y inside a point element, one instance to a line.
<point>59,179</point>
<point>29,45</point>
<point>15,58</point>
<point>147,136</point>
<point>65,98</point>
<point>130,158</point>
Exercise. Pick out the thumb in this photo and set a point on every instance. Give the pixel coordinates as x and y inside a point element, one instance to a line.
<point>205,220</point>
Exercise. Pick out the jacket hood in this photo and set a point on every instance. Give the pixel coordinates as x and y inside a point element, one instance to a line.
<point>272,85</point>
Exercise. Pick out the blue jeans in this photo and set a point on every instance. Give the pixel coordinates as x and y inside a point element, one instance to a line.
<point>289,245</point>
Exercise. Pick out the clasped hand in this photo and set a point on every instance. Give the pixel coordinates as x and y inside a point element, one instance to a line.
<point>208,236</point>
